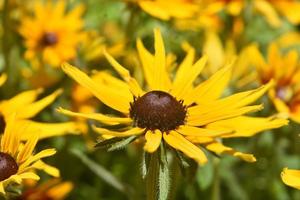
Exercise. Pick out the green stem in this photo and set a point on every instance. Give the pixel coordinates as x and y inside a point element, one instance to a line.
<point>152,177</point>
<point>216,183</point>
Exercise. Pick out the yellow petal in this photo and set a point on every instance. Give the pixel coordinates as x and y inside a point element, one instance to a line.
<point>3,78</point>
<point>219,148</point>
<point>178,142</point>
<point>97,116</point>
<point>153,140</point>
<point>160,75</point>
<point>132,131</point>
<point>124,73</point>
<point>29,175</point>
<point>201,132</point>
<point>247,126</point>
<point>196,119</point>
<point>147,60</point>
<point>2,191</point>
<point>60,191</point>
<point>291,177</point>
<point>46,130</point>
<point>28,148</point>
<point>34,108</point>
<point>270,13</point>
<point>212,88</point>
<point>179,90</point>
<point>47,168</point>
<point>36,157</point>
<point>110,98</point>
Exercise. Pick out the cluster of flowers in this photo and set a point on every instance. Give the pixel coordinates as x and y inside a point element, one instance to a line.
<point>181,106</point>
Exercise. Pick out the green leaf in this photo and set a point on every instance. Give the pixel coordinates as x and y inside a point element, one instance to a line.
<point>100,171</point>
<point>121,144</point>
<point>164,177</point>
<point>152,176</point>
<point>145,164</point>
<point>205,175</point>
<point>115,143</point>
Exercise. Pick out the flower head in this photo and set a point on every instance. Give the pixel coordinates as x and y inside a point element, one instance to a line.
<point>17,159</point>
<point>51,34</point>
<point>284,70</point>
<point>177,112</point>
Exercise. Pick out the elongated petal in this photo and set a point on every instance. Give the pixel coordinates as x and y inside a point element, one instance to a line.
<point>53,171</point>
<point>34,108</point>
<point>153,140</point>
<point>201,132</point>
<point>179,90</point>
<point>36,157</point>
<point>247,126</point>
<point>132,131</point>
<point>291,177</point>
<point>124,73</point>
<point>160,76</point>
<point>97,116</point>
<point>46,130</point>
<point>147,60</point>
<point>19,101</point>
<point>178,142</point>
<point>219,148</point>
<point>196,119</point>
<point>212,88</point>
<point>109,98</point>
<point>28,148</point>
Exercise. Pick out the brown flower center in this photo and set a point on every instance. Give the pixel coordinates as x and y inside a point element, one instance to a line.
<point>8,166</point>
<point>158,110</point>
<point>2,124</point>
<point>49,39</point>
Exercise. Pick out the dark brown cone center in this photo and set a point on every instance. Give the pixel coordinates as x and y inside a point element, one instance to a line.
<point>2,124</point>
<point>8,166</point>
<point>49,39</point>
<point>158,110</point>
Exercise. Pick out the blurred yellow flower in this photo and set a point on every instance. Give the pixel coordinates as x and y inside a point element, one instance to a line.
<point>284,70</point>
<point>53,189</point>
<point>167,9</point>
<point>218,55</point>
<point>25,106</point>
<point>291,177</point>
<point>50,34</point>
<point>17,159</point>
<point>175,112</point>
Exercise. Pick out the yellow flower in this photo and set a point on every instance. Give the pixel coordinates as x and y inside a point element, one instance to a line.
<point>51,34</point>
<point>166,9</point>
<point>53,189</point>
<point>25,106</point>
<point>271,8</point>
<point>17,159</point>
<point>291,177</point>
<point>175,111</point>
<point>218,55</point>
<point>284,70</point>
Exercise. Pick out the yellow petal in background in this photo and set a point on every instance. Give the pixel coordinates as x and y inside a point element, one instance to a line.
<point>291,177</point>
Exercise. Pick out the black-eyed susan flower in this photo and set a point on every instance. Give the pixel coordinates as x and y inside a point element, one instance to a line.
<point>284,70</point>
<point>26,106</point>
<point>175,111</point>
<point>52,34</point>
<point>291,177</point>
<point>17,160</point>
<point>53,189</point>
